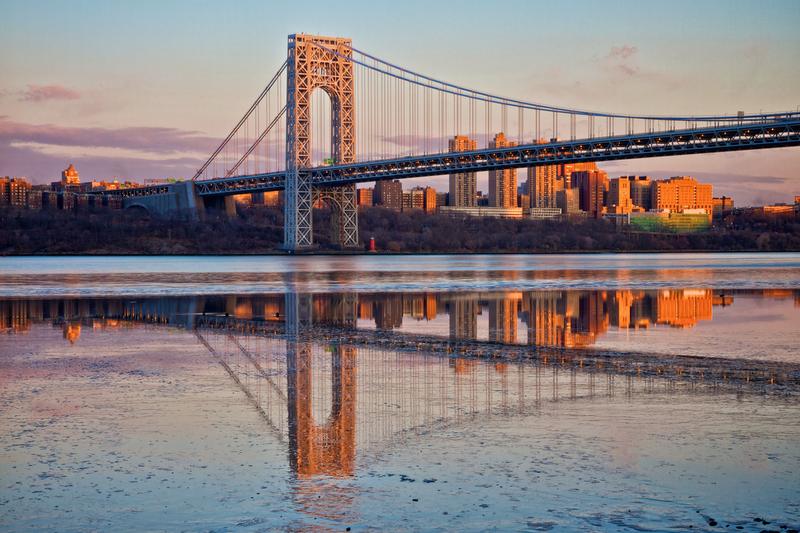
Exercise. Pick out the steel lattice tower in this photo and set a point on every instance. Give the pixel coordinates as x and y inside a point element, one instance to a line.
<point>311,64</point>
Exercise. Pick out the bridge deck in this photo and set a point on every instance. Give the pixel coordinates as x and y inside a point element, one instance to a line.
<point>774,134</point>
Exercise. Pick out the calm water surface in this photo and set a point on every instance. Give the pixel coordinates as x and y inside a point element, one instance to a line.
<point>530,393</point>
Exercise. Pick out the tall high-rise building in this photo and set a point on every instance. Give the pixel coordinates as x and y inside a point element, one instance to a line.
<point>569,201</point>
<point>364,196</point>
<point>416,198</point>
<point>565,171</point>
<point>389,194</point>
<point>463,186</point>
<point>593,185</point>
<point>640,191</point>
<point>722,206</point>
<point>14,191</point>
<point>619,196</point>
<point>680,193</point>
<point>429,200</point>
<point>542,185</point>
<point>4,181</point>
<point>502,183</point>
<point>406,201</point>
<point>70,177</point>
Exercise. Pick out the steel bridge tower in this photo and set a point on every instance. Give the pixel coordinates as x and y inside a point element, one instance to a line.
<point>312,64</point>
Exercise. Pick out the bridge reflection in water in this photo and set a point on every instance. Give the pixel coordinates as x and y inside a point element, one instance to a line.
<point>343,378</point>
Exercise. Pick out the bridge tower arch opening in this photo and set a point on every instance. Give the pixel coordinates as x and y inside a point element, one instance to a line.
<point>316,62</point>
<point>139,210</point>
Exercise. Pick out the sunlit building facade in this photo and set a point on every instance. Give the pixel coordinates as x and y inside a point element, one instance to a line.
<point>640,190</point>
<point>593,185</point>
<point>463,186</point>
<point>680,193</point>
<point>14,192</point>
<point>388,194</point>
<point>502,183</point>
<point>70,177</point>
<point>619,196</point>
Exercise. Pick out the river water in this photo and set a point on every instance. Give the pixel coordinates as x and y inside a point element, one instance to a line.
<point>533,393</point>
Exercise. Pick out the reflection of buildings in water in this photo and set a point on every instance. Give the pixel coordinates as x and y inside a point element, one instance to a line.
<point>683,308</point>
<point>592,318</point>
<point>431,306</point>
<point>462,366</point>
<point>620,310</point>
<point>71,331</point>
<point>781,294</point>
<point>565,318</point>
<point>242,308</point>
<point>545,318</point>
<point>15,316</point>
<point>420,306</point>
<point>365,309</point>
<point>388,311</point>
<point>464,317</point>
<point>721,300</point>
<point>503,313</point>
<point>578,318</point>
<point>107,323</point>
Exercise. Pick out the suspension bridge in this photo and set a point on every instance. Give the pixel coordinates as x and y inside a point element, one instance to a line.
<point>333,116</point>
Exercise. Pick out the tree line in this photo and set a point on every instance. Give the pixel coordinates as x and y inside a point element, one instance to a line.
<point>256,230</point>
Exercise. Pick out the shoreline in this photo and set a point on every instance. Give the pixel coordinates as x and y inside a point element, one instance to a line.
<point>406,254</point>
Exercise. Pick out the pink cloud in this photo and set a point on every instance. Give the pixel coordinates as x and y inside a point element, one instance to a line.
<point>41,93</point>
<point>621,60</point>
<point>623,52</point>
<point>157,152</point>
<point>42,167</point>
<point>150,139</point>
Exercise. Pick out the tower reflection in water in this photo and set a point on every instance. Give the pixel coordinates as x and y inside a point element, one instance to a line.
<point>342,378</point>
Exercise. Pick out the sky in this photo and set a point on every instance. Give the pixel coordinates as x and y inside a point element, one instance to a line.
<point>147,89</point>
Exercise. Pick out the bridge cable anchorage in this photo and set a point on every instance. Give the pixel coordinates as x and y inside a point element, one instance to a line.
<point>241,122</point>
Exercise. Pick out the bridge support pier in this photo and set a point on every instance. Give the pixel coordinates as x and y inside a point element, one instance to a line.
<point>298,231</point>
<point>223,204</point>
<point>344,214</point>
<point>176,200</point>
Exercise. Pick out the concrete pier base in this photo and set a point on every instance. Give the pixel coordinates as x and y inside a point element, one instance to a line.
<point>180,200</point>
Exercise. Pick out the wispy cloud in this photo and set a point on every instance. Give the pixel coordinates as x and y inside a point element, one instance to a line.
<point>39,151</point>
<point>41,93</point>
<point>623,52</point>
<point>147,139</point>
<point>622,59</point>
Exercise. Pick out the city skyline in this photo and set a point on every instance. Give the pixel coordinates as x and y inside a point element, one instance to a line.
<point>123,109</point>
